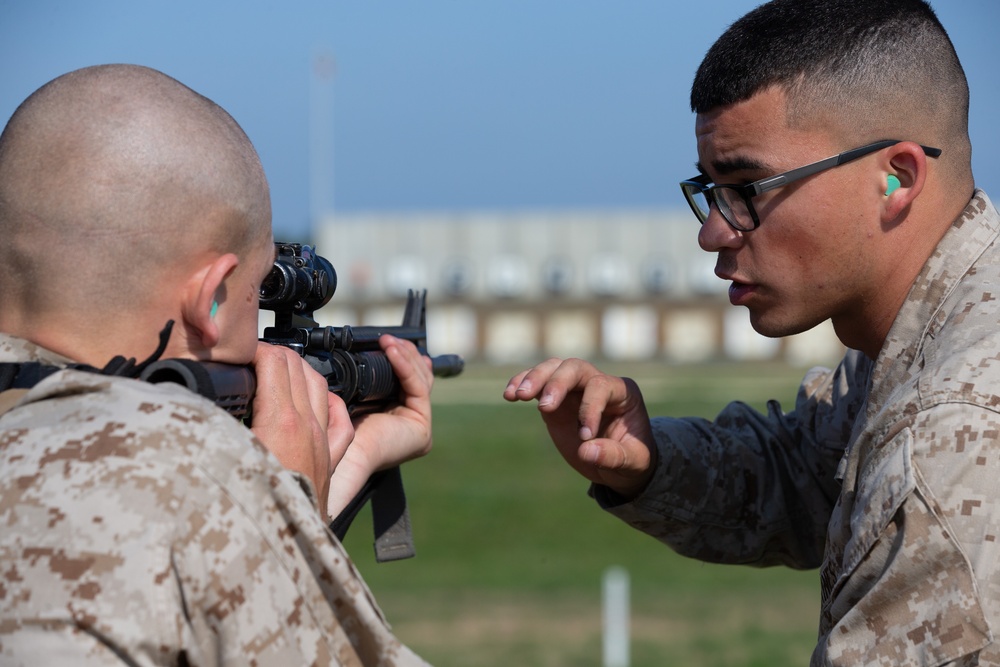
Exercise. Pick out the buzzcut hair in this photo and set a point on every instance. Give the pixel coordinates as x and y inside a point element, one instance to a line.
<point>126,173</point>
<point>857,59</point>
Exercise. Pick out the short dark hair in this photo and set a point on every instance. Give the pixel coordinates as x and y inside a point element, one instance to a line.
<point>854,56</point>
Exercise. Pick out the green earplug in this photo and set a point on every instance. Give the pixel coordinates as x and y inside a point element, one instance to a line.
<point>892,184</point>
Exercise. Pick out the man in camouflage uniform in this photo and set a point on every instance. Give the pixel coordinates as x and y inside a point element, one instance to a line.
<point>884,473</point>
<point>141,524</point>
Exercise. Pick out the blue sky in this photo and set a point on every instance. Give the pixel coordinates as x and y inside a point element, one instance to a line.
<point>445,104</point>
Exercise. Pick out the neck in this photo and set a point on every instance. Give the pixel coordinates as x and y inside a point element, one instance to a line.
<point>867,326</point>
<point>91,343</point>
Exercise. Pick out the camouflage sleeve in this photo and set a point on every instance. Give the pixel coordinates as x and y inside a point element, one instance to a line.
<point>751,488</point>
<point>914,568</point>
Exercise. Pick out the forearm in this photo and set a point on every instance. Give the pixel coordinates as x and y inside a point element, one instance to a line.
<point>750,487</point>
<point>741,489</point>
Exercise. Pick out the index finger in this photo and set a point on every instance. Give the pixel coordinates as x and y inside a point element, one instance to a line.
<point>553,380</point>
<point>527,384</point>
<point>412,368</point>
<point>550,381</point>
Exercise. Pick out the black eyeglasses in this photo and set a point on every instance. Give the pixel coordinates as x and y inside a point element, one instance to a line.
<point>733,201</point>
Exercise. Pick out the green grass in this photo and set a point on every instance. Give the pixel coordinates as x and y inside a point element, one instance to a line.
<point>510,550</point>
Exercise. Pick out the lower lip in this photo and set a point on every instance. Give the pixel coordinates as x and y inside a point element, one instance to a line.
<point>740,293</point>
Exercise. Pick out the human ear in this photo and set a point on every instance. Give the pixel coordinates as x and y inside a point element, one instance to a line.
<point>904,172</point>
<point>206,295</point>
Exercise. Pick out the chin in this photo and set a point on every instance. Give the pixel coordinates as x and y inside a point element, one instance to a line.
<point>780,329</point>
<point>771,327</point>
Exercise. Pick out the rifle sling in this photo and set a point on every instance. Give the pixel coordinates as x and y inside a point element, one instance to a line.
<point>390,516</point>
<point>391,519</point>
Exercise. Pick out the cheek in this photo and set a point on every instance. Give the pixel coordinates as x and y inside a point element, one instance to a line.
<point>246,343</point>
<point>836,269</point>
<point>800,259</point>
<point>253,295</point>
<point>246,327</point>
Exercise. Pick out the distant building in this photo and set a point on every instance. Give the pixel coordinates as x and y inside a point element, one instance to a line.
<point>518,287</point>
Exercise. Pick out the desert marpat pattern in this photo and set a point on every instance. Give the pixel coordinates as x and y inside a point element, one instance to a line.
<point>885,475</point>
<point>141,524</point>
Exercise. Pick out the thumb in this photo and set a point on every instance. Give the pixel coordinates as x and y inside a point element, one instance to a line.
<point>605,453</point>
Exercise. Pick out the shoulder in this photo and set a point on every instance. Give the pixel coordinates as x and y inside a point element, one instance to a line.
<point>961,352</point>
<point>131,443</point>
<point>138,417</point>
<point>960,345</point>
<point>105,482</point>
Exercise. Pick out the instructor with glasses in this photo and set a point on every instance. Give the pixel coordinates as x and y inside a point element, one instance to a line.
<point>883,475</point>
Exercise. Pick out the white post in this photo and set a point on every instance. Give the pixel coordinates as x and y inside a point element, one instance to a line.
<point>616,617</point>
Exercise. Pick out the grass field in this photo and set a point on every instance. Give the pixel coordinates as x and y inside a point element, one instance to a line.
<point>510,550</point>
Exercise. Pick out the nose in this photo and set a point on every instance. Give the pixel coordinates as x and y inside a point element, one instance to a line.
<point>716,234</point>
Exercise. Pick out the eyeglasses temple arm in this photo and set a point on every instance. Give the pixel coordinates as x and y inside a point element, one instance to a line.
<point>773,182</point>
<point>847,156</point>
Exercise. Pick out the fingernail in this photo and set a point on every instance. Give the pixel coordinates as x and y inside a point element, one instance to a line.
<point>546,399</point>
<point>586,433</point>
<point>590,452</point>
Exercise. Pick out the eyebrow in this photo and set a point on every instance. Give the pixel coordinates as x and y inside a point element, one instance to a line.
<point>735,164</point>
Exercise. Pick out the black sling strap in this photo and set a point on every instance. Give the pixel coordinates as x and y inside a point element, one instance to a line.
<point>17,377</point>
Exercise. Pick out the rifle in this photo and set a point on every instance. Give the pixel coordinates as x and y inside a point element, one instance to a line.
<point>350,358</point>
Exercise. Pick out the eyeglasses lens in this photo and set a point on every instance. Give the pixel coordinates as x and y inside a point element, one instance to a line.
<point>734,209</point>
<point>698,199</point>
<point>731,205</point>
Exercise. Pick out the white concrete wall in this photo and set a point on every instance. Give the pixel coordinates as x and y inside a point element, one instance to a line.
<point>518,287</point>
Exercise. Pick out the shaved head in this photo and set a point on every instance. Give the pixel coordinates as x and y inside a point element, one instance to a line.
<point>111,178</point>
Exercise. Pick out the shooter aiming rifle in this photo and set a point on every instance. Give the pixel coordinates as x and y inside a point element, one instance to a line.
<point>350,358</point>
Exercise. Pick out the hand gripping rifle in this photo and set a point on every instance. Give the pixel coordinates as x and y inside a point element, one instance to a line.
<point>351,360</point>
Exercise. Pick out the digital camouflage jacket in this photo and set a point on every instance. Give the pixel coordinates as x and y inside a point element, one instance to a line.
<point>885,475</point>
<point>142,525</point>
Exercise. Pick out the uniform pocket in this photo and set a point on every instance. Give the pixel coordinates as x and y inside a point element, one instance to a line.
<point>885,480</point>
<point>904,592</point>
